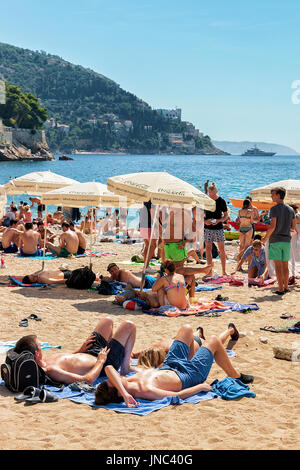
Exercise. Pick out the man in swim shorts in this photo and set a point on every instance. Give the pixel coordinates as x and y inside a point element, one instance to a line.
<point>179,375</point>
<point>101,348</point>
<point>68,242</point>
<point>279,236</point>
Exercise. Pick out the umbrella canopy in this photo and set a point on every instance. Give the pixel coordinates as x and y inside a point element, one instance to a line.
<point>292,188</point>
<point>3,201</point>
<point>161,187</point>
<point>82,195</point>
<point>37,183</point>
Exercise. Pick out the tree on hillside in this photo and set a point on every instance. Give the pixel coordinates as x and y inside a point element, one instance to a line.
<point>22,109</point>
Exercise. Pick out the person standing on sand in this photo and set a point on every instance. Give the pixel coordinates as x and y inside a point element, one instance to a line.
<point>213,227</point>
<point>279,236</point>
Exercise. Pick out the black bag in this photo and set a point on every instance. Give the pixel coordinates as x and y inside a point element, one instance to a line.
<point>81,278</point>
<point>21,371</point>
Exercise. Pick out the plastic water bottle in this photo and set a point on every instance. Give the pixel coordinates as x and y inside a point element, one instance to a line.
<point>3,266</point>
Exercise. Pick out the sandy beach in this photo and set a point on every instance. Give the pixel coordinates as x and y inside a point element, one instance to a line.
<point>269,421</point>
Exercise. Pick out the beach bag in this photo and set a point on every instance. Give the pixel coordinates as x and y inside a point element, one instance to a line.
<point>21,371</point>
<point>81,278</point>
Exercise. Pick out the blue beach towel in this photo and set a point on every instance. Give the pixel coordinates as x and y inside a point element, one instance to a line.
<point>201,287</point>
<point>229,389</point>
<point>6,345</point>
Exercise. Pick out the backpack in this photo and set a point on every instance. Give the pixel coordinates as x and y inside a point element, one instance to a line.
<point>21,371</point>
<point>81,278</point>
<point>111,287</point>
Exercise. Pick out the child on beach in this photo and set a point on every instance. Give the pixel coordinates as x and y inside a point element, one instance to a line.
<point>256,256</point>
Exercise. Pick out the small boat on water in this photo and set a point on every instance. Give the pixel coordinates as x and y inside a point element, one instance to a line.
<point>259,227</point>
<point>256,152</point>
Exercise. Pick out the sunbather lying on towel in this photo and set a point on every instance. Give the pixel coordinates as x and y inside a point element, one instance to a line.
<point>100,349</point>
<point>123,275</point>
<point>179,375</point>
<point>155,356</point>
<point>47,277</point>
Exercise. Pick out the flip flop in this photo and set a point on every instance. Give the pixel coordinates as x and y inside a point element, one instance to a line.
<point>24,322</point>
<point>201,331</point>
<point>44,397</point>
<point>29,392</point>
<point>236,334</point>
<point>286,316</point>
<point>33,316</point>
<point>269,328</point>
<point>219,297</point>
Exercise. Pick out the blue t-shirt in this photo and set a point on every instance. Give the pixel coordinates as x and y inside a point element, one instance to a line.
<point>259,263</point>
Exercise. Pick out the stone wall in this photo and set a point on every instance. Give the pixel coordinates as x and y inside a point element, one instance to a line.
<point>32,139</point>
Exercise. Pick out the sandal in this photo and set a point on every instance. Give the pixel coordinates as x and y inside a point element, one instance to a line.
<point>24,322</point>
<point>235,336</point>
<point>33,316</point>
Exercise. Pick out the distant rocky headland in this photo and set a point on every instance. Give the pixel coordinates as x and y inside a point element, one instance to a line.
<point>23,144</point>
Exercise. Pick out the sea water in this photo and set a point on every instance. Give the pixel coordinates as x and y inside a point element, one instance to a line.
<point>234,175</point>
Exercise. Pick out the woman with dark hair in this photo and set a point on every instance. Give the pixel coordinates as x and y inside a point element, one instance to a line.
<point>171,288</point>
<point>246,220</point>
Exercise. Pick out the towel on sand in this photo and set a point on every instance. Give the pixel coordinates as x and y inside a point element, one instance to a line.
<point>6,345</point>
<point>228,389</point>
<point>50,256</point>
<point>17,281</point>
<point>201,307</point>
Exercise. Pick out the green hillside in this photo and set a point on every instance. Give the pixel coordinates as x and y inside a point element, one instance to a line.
<point>97,111</point>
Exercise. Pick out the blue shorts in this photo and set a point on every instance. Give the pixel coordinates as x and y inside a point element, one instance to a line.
<point>149,281</point>
<point>38,252</point>
<point>11,248</point>
<point>191,372</point>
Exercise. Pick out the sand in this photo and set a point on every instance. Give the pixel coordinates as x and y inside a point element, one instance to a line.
<point>269,421</point>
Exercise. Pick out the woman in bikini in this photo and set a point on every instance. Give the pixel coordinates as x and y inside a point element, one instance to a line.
<point>171,288</point>
<point>246,221</point>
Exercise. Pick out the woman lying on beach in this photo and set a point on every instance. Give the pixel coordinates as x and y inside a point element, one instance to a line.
<point>155,356</point>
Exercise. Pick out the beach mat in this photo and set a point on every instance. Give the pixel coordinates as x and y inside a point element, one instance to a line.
<point>202,308</point>
<point>49,256</point>
<point>17,281</point>
<point>6,345</point>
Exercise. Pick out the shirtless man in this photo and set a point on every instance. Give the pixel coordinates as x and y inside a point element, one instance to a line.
<point>10,237</point>
<point>68,242</point>
<point>41,229</point>
<point>123,275</point>
<point>58,216</point>
<point>179,376</point>
<point>40,206</point>
<point>49,277</point>
<point>86,364</point>
<point>81,239</point>
<point>30,242</point>
<point>177,232</point>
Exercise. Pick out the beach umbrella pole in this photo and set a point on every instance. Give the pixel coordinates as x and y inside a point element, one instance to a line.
<point>148,251</point>
<point>45,237</point>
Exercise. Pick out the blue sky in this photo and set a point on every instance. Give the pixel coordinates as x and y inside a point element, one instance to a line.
<point>229,64</point>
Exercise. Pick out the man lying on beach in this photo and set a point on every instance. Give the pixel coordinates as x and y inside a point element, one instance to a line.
<point>10,237</point>
<point>179,375</point>
<point>68,242</point>
<point>30,242</point>
<point>50,277</point>
<point>155,355</point>
<point>101,348</point>
<point>124,275</point>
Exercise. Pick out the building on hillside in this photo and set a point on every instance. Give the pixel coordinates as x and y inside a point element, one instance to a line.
<point>50,123</point>
<point>63,128</point>
<point>171,113</point>
<point>5,134</point>
<point>128,125</point>
<point>191,130</point>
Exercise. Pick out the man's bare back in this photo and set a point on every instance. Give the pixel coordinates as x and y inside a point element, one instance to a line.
<point>30,241</point>
<point>10,235</point>
<point>69,240</point>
